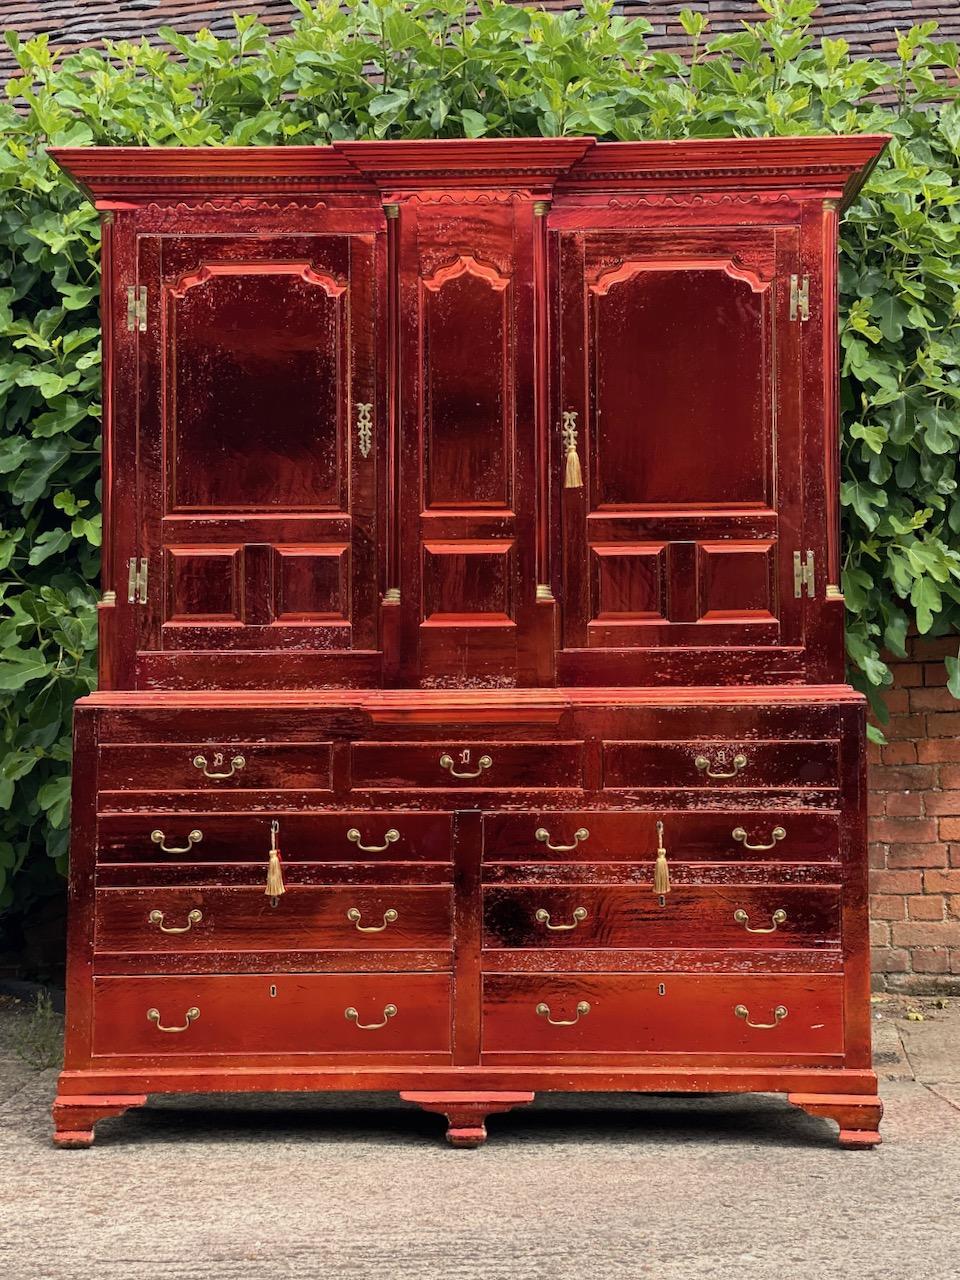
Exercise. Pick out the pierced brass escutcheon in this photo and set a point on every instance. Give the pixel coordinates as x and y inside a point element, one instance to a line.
<point>236,764</point>
<point>351,1015</point>
<point>778,833</point>
<point>194,917</point>
<point>389,917</point>
<point>447,762</point>
<point>390,837</point>
<point>195,836</point>
<point>704,764</point>
<point>779,1013</point>
<point>579,913</point>
<point>543,835</point>
<point>778,918</point>
<point>583,1008</point>
<point>153,1015</point>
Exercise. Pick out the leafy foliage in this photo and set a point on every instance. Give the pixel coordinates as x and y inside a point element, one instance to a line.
<point>387,69</point>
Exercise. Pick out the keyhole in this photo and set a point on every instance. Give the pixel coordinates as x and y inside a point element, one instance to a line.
<point>465,756</point>
<point>273,991</point>
<point>661,989</point>
<point>662,900</point>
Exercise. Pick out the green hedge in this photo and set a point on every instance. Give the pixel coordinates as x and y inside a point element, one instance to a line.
<point>391,70</point>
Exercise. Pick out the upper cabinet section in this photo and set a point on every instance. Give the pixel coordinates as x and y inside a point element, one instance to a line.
<point>462,414</point>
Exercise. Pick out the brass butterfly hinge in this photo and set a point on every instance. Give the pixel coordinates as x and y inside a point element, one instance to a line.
<point>800,298</point>
<point>803,574</point>
<point>137,308</point>
<point>137,580</point>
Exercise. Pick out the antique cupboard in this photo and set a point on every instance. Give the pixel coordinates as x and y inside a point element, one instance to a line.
<point>472,716</point>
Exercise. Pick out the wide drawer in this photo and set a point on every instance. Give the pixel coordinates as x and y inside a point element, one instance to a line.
<point>693,916</point>
<point>729,765</point>
<point>352,1013</point>
<point>395,836</point>
<point>467,764</point>
<point>702,836</point>
<point>244,919</point>
<point>204,766</point>
<point>773,1015</point>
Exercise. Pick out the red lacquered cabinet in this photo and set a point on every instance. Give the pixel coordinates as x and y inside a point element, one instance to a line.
<point>472,717</point>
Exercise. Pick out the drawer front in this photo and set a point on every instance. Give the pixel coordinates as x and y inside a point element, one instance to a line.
<point>696,1013</point>
<point>204,766</point>
<point>701,836</point>
<point>726,765</point>
<point>243,919</point>
<point>359,1014</point>
<point>693,916</point>
<point>456,765</point>
<point>394,836</point>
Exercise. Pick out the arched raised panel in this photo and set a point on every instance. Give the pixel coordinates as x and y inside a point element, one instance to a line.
<point>467,363</point>
<point>256,388</point>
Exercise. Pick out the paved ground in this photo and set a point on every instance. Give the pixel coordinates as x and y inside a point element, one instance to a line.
<point>668,1188</point>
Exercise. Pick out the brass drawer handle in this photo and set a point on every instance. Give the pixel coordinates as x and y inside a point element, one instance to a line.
<point>778,833</point>
<point>703,764</point>
<point>193,838</point>
<point>583,1008</point>
<point>390,837</point>
<point>194,917</point>
<point>579,913</point>
<point>153,1015</point>
<point>389,917</point>
<point>447,762</point>
<point>779,1013</point>
<point>236,764</point>
<point>543,835</point>
<point>778,917</point>
<point>389,1011</point>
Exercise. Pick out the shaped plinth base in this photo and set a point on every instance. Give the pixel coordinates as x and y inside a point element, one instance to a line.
<point>466,1112</point>
<point>857,1115</point>
<point>74,1117</point>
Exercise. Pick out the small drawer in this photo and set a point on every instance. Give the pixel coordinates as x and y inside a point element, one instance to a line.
<point>394,836</point>
<point>727,765</point>
<point>690,916</point>
<point>773,1015</point>
<point>360,1014</point>
<point>310,918</point>
<point>756,835</point>
<point>455,765</point>
<point>206,766</point>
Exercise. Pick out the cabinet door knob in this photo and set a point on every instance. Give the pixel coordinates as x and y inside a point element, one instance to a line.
<point>543,835</point>
<point>390,837</point>
<point>236,764</point>
<point>778,917</point>
<point>153,1015</point>
<point>778,833</point>
<point>704,764</point>
<point>579,913</point>
<point>583,1008</point>
<point>194,917</point>
<point>389,1011</point>
<point>195,836</point>
<point>779,1013</point>
<point>389,917</point>
<point>447,762</point>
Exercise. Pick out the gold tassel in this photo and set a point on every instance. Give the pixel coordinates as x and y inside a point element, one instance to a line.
<point>661,872</point>
<point>573,476</point>
<point>274,870</point>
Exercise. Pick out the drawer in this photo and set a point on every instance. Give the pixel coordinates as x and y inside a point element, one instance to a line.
<point>242,919</point>
<point>468,764</point>
<point>359,1014</point>
<point>727,765</point>
<point>750,835</point>
<point>158,836</point>
<point>773,1015</point>
<point>205,766</point>
<point>694,916</point>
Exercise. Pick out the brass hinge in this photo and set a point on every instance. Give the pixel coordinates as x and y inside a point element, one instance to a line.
<point>137,308</point>
<point>800,298</point>
<point>136,581</point>
<point>803,575</point>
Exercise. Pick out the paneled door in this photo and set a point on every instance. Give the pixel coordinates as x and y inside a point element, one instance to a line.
<point>261,442</point>
<point>679,388</point>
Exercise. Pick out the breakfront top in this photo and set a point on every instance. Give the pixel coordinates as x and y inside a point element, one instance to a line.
<point>471,414</point>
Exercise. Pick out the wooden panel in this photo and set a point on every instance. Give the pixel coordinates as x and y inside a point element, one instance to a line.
<point>204,584</point>
<point>272,1014</point>
<point>674,764</point>
<point>694,1014</point>
<point>194,766</point>
<point>511,764</point>
<point>313,583</point>
<point>736,581</point>
<point>629,581</point>
<point>468,583</point>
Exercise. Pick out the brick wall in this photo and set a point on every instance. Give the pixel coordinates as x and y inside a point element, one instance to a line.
<point>915,829</point>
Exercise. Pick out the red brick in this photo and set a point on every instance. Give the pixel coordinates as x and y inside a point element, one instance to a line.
<point>891,908</point>
<point>898,702</point>
<point>890,960</point>
<point>925,961</point>
<point>899,753</point>
<point>953,906</point>
<point>944,725</point>
<point>917,777</point>
<point>912,727</point>
<point>955,961</point>
<point>953,855</point>
<point>905,804</point>
<point>877,802</point>
<point>932,700</point>
<point>926,933</point>
<point>933,750</point>
<point>877,855</point>
<point>941,802</point>
<point>879,933</point>
<point>933,648</point>
<point>898,881</point>
<point>950,776</point>
<point>907,675</point>
<point>915,855</point>
<point>949,828</point>
<point>904,830</point>
<point>934,674</point>
<point>924,907</point>
<point>933,882</point>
